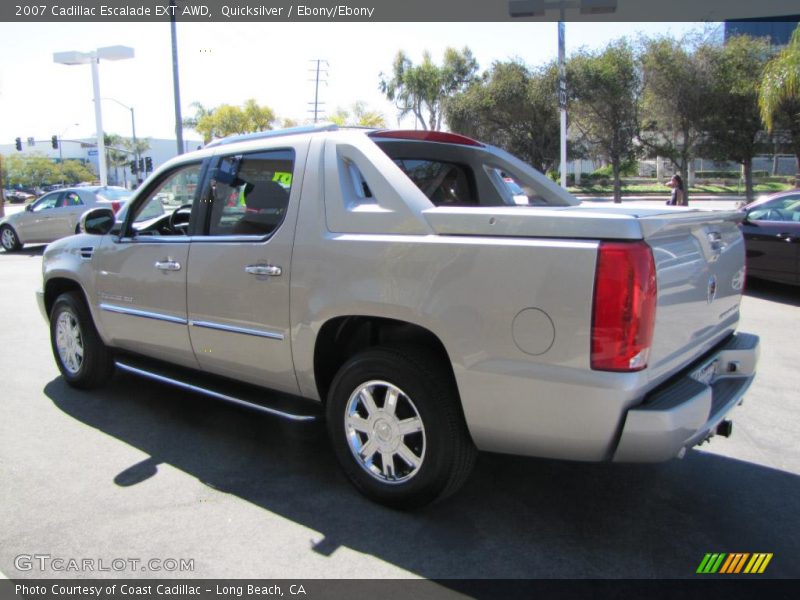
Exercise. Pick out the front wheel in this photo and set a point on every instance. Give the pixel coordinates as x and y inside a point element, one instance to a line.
<point>397,429</point>
<point>9,239</point>
<point>83,359</point>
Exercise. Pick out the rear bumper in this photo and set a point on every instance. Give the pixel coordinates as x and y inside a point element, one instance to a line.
<point>688,409</point>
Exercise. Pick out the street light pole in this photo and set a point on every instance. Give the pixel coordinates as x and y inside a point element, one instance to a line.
<point>93,58</point>
<point>562,95</point>
<point>133,131</point>
<point>98,119</point>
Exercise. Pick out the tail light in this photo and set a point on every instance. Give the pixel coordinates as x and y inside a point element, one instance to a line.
<point>115,206</point>
<point>623,316</point>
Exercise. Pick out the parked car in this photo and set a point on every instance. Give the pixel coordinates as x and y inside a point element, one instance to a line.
<point>771,229</point>
<point>56,214</point>
<point>17,196</point>
<point>387,281</point>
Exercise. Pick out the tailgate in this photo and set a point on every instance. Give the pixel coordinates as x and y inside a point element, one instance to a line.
<point>699,259</point>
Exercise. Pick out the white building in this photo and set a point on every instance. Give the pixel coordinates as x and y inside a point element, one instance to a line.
<point>85,149</point>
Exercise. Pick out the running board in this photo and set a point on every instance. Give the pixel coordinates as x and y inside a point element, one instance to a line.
<point>278,404</point>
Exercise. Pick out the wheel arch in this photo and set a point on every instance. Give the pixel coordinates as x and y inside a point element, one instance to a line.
<point>341,337</point>
<point>56,286</point>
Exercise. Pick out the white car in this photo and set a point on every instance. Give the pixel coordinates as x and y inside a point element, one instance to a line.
<point>56,214</point>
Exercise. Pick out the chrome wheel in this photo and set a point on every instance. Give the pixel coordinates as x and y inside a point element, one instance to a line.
<point>69,342</point>
<point>385,432</point>
<point>9,239</point>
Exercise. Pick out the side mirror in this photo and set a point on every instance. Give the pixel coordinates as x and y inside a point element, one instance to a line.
<point>97,221</point>
<point>29,207</point>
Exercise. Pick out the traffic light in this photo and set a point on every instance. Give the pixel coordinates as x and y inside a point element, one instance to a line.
<point>141,166</point>
<point>18,144</point>
<point>148,164</point>
<point>54,142</point>
<point>134,167</point>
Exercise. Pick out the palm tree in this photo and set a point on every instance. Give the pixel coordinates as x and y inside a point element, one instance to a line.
<point>779,96</point>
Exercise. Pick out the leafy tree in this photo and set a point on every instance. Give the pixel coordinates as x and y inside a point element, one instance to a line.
<point>514,107</point>
<point>605,88</point>
<point>359,116</point>
<point>227,120</point>
<point>75,171</point>
<point>674,100</point>
<point>32,170</point>
<point>732,123</point>
<point>421,89</point>
<point>116,154</point>
<point>36,170</point>
<point>779,97</point>
<point>200,111</point>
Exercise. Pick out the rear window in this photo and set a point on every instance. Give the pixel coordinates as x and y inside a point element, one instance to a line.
<point>468,176</point>
<point>444,183</point>
<point>112,194</point>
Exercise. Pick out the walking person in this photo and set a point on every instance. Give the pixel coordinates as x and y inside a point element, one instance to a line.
<point>678,197</point>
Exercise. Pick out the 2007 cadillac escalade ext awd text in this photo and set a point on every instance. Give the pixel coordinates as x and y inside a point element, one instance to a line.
<point>391,280</point>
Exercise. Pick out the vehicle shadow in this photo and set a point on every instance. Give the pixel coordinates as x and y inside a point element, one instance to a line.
<point>515,518</point>
<point>772,291</point>
<point>27,251</point>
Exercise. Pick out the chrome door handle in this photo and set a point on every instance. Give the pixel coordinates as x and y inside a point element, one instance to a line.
<point>269,270</point>
<point>168,265</point>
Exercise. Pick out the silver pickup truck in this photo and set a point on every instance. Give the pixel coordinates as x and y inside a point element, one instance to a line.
<point>391,281</point>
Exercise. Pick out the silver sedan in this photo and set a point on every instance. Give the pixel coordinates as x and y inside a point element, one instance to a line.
<point>56,214</point>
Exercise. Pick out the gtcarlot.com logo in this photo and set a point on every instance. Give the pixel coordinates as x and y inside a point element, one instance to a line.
<point>734,563</point>
<point>59,564</point>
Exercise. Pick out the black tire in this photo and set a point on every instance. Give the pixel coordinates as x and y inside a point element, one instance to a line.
<point>425,390</point>
<point>9,239</point>
<point>84,360</point>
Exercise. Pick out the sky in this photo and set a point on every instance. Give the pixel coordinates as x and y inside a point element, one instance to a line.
<point>232,62</point>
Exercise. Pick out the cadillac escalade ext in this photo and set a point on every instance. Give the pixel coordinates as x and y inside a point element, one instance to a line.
<point>392,282</point>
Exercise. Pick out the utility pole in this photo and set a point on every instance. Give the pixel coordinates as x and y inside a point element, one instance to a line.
<point>176,86</point>
<point>318,69</point>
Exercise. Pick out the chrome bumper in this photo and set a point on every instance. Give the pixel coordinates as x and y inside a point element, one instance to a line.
<point>688,409</point>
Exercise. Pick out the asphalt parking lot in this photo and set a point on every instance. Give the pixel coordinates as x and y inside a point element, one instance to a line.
<point>142,471</point>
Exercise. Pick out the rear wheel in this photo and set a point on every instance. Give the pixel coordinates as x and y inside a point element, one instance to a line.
<point>397,429</point>
<point>82,357</point>
<point>9,239</point>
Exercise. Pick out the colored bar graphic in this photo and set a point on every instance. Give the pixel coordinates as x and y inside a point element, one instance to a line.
<point>758,563</point>
<point>730,564</point>
<point>711,563</point>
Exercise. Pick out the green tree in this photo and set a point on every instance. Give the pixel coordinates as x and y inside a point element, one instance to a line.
<point>779,95</point>
<point>227,120</point>
<point>604,110</point>
<point>732,123</point>
<point>421,89</point>
<point>359,116</point>
<point>513,107</point>
<point>116,154</point>
<point>75,171</point>
<point>674,100</point>
<point>32,170</point>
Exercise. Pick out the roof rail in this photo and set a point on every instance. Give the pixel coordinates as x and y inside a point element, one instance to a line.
<point>272,133</point>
